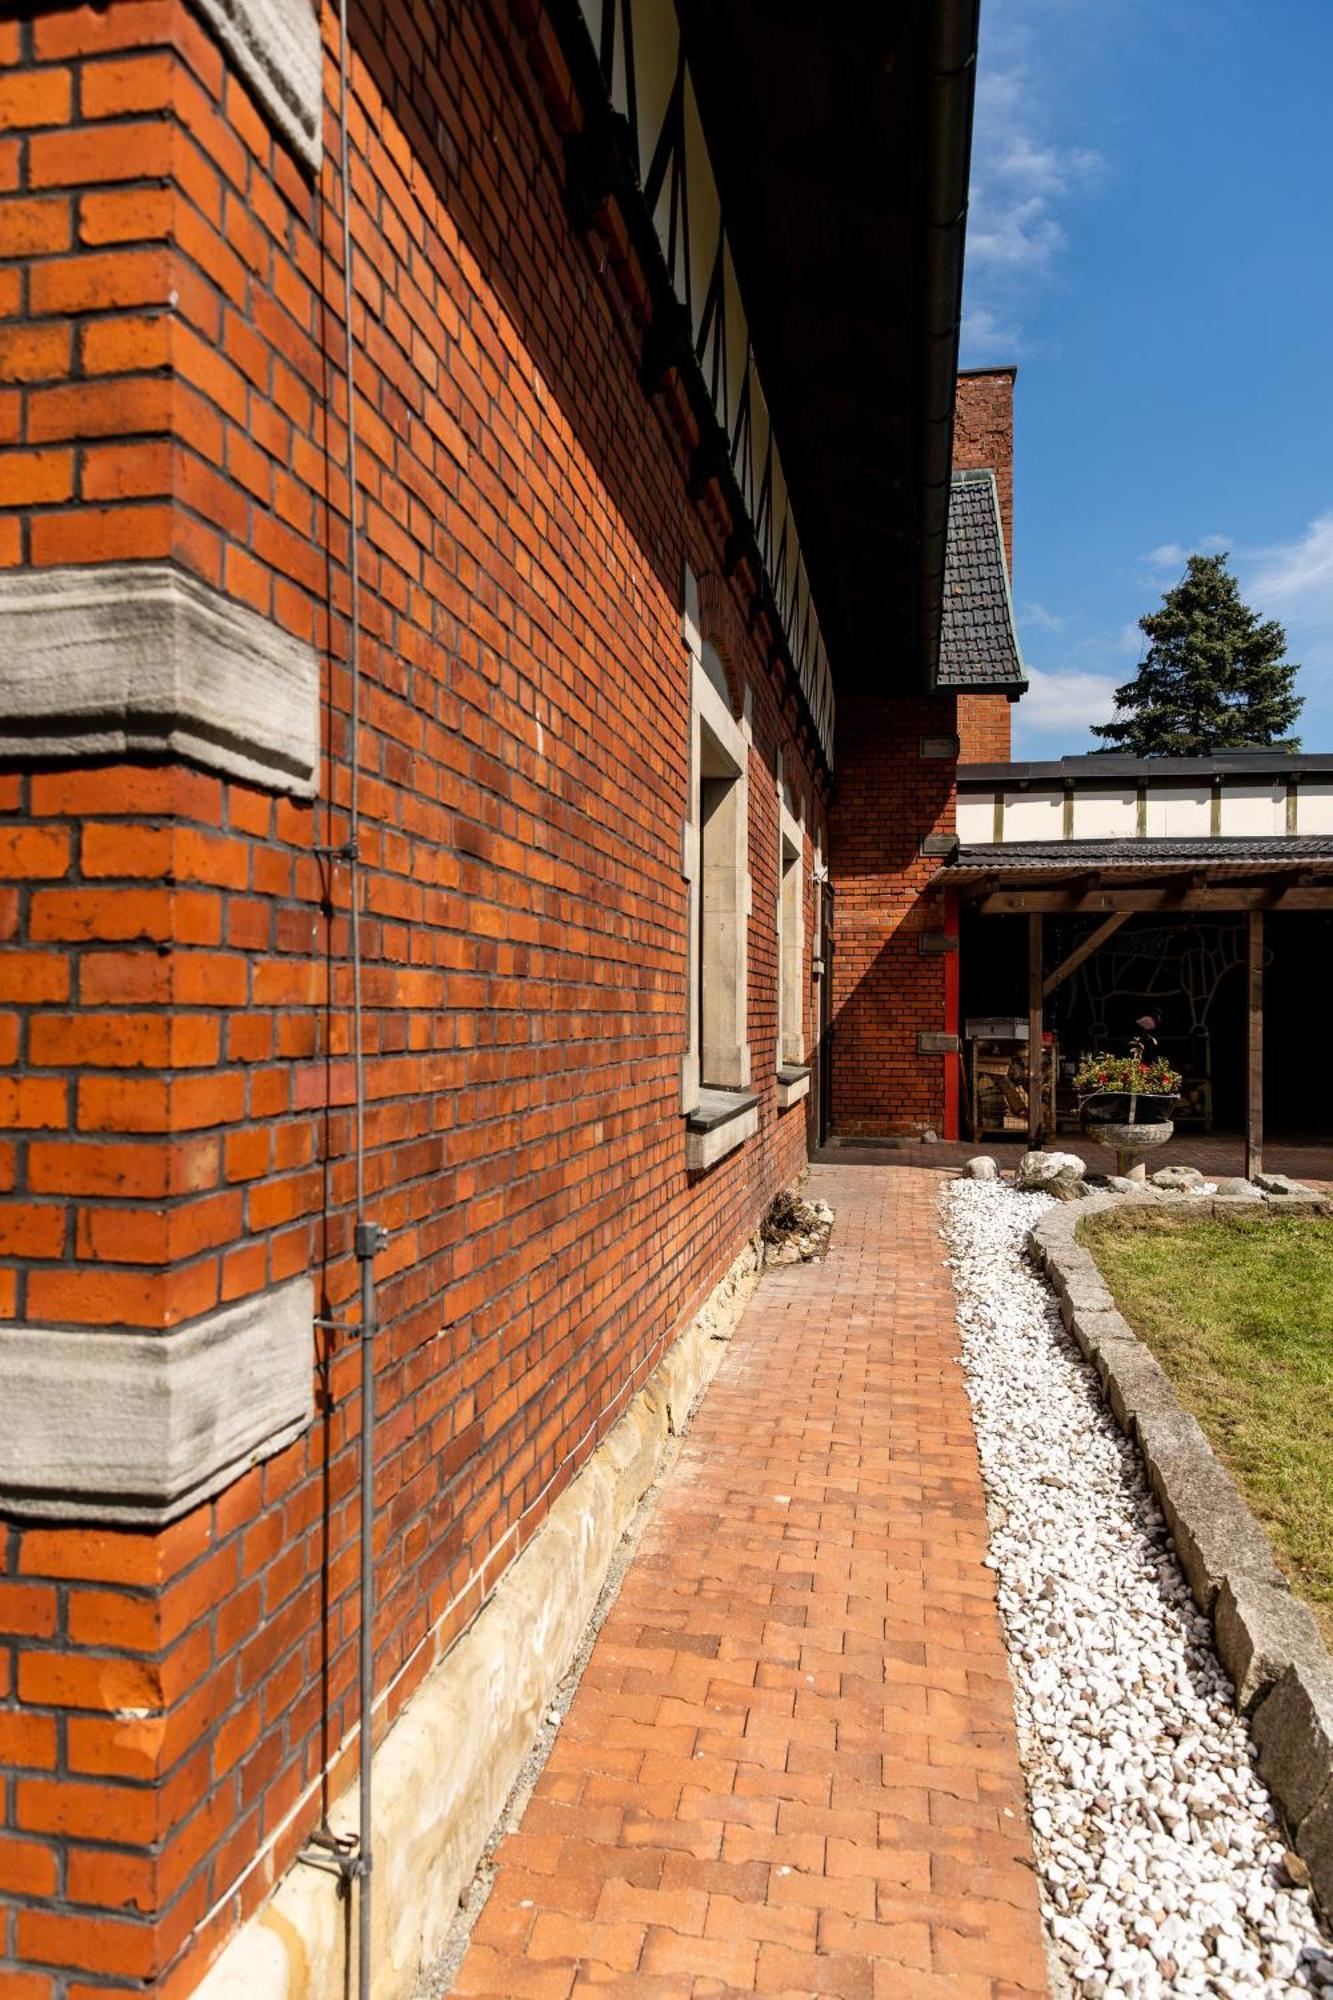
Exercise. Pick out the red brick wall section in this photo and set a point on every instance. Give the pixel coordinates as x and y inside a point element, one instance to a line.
<point>983,437</point>
<point>175,988</point>
<point>885,990</point>
<point>985,724</point>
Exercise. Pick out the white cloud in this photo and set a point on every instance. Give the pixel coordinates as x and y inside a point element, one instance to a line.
<point>1295,578</point>
<point>1023,179</point>
<point>1174,555</point>
<point>1293,581</point>
<point>1044,621</point>
<point>1065,701</point>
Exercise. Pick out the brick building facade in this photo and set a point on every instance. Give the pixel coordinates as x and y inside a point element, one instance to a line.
<point>895,1053</point>
<point>201,774</point>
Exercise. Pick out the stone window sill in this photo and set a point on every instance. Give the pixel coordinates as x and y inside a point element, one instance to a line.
<point>721,1121</point>
<point>793,1084</point>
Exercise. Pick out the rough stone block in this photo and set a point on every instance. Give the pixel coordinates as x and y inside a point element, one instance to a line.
<point>107,1424</point>
<point>1215,1534</point>
<point>1260,1631</point>
<point>1293,1730</point>
<point>127,659</point>
<point>1314,1844</point>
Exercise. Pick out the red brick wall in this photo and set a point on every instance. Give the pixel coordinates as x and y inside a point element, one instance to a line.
<point>983,437</point>
<point>177,990</point>
<point>985,728</point>
<point>885,990</point>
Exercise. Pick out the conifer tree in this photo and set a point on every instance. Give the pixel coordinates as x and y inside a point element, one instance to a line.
<point>1214,677</point>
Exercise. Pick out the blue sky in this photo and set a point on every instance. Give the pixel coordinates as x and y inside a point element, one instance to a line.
<point>1151,240</point>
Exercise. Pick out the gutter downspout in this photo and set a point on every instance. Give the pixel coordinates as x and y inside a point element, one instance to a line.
<point>368,1237</point>
<point>353,1860</point>
<point>950,95</point>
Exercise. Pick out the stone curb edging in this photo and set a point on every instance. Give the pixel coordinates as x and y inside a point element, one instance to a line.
<point>1266,1639</point>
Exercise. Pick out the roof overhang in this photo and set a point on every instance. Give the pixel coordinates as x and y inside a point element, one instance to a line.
<point>841,140</point>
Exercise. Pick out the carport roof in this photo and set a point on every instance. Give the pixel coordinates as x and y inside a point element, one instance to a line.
<point>1088,877</point>
<point>1066,857</point>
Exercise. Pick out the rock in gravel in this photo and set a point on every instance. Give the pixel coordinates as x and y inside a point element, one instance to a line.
<point>1236,1188</point>
<point>1281,1184</point>
<point>1177,1180</point>
<point>1037,1170</point>
<point>1159,1854</point>
<point>1122,1184</point>
<point>983,1168</point>
<point>1067,1189</point>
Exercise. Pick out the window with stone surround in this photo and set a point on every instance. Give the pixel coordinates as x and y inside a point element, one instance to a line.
<point>720,1108</point>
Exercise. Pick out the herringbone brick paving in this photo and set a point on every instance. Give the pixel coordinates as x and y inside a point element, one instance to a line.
<point>790,1767</point>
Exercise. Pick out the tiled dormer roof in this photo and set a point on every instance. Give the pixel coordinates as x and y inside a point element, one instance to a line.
<point>978,643</point>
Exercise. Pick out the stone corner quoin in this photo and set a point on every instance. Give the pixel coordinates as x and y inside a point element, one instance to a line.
<point>1266,1639</point>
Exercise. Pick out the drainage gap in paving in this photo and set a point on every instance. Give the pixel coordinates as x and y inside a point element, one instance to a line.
<point>1162,1864</point>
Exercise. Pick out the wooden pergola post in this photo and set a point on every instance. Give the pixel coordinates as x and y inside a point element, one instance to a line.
<point>1036,1002</point>
<point>1254,1028</point>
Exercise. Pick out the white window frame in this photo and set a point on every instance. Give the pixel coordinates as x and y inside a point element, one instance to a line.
<point>719,751</point>
<point>790,928</point>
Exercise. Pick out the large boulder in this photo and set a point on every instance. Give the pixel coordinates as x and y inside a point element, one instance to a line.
<point>1036,1171</point>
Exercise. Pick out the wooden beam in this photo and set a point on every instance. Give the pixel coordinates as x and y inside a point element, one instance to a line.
<point>1027,902</point>
<point>1254,1066</point>
<point>1085,950</point>
<point>1034,1029</point>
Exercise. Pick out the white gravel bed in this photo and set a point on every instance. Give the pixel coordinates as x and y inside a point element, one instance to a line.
<point>1160,1857</point>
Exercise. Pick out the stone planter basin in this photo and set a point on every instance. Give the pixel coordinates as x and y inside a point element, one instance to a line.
<point>1132,1144</point>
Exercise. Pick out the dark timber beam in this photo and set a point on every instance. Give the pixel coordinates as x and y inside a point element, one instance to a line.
<point>1034,1030</point>
<point>1254,1066</point>
<point>1050,901</point>
<point>1085,950</point>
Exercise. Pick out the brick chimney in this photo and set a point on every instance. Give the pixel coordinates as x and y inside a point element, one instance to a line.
<point>983,438</point>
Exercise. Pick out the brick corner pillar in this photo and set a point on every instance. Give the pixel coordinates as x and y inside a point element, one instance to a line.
<point>159,760</point>
<point>894,1061</point>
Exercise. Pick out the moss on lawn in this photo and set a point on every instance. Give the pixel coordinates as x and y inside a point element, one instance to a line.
<point>1240,1314</point>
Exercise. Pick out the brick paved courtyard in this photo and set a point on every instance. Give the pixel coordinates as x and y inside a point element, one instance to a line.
<point>790,1766</point>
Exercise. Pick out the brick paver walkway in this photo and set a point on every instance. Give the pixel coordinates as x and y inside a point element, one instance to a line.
<point>790,1766</point>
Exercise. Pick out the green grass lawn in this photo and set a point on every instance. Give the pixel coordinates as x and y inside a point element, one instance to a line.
<point>1240,1315</point>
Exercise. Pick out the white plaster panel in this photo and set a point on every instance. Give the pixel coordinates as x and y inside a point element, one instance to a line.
<point>1254,810</point>
<point>1033,815</point>
<point>1314,808</point>
<point>1105,815</point>
<point>107,1424</point>
<point>122,659</point>
<point>275,45</point>
<point>1182,812</point>
<point>976,817</point>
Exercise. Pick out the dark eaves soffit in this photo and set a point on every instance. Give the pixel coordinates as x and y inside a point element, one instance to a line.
<point>841,141</point>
